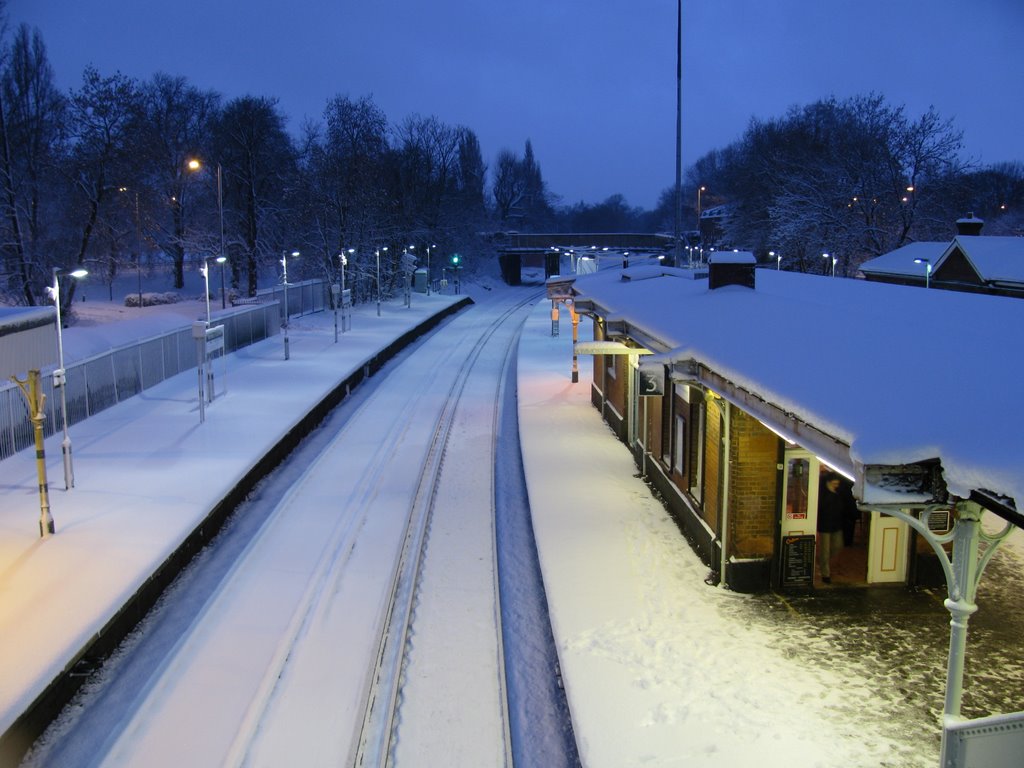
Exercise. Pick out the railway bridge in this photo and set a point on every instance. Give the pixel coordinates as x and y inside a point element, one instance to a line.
<point>516,250</point>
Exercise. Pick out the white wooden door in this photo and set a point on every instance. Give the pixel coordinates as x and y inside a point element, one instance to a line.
<point>887,549</point>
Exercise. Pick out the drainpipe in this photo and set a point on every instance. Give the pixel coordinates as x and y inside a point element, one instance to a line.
<point>727,450</point>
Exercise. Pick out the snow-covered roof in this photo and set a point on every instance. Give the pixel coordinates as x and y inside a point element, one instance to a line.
<point>995,259</point>
<point>732,257</point>
<point>901,261</point>
<point>899,374</point>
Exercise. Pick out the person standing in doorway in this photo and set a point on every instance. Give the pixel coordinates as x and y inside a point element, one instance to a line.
<point>851,514</point>
<point>830,524</point>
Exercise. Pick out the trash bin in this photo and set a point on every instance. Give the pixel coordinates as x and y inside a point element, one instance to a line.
<point>419,280</point>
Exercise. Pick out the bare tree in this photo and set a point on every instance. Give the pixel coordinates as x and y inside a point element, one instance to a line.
<point>509,184</point>
<point>175,129</point>
<point>101,116</point>
<point>259,162</point>
<point>30,113</point>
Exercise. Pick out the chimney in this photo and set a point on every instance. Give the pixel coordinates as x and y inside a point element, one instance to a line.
<point>731,268</point>
<point>969,225</point>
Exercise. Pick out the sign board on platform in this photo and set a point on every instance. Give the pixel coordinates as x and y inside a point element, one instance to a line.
<point>797,562</point>
<point>993,742</point>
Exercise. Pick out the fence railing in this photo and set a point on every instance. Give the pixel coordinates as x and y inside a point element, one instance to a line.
<point>99,382</point>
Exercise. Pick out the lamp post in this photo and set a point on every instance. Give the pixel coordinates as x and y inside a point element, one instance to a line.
<point>827,256</point>
<point>284,325</point>
<point>206,282</point>
<point>221,257</point>
<point>927,271</point>
<point>378,278</point>
<point>60,376</point>
<point>138,241</point>
<point>344,306</point>
<point>221,260</point>
<point>778,259</point>
<point>432,245</point>
<point>195,165</point>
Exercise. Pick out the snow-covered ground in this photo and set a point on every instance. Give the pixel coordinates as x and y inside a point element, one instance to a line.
<point>659,668</point>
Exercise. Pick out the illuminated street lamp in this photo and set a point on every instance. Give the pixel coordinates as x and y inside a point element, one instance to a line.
<point>927,271</point>
<point>205,270</point>
<point>222,259</point>
<point>195,165</point>
<point>284,266</point>
<point>378,278</point>
<point>60,377</point>
<point>778,259</point>
<point>830,256</point>
<point>433,245</point>
<point>138,241</point>
<point>345,320</point>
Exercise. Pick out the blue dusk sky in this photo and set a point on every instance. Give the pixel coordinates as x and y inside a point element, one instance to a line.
<point>591,83</point>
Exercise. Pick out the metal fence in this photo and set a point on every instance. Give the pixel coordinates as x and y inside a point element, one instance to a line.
<point>99,382</point>
<point>303,298</point>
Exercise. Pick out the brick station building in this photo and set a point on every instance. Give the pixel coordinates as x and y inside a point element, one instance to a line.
<point>737,392</point>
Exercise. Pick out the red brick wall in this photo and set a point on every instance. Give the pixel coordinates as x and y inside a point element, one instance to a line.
<point>712,444</point>
<point>754,455</point>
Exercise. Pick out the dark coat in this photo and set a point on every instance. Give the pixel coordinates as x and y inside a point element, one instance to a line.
<point>830,511</point>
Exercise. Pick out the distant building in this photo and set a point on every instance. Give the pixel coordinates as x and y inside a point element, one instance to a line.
<point>971,262</point>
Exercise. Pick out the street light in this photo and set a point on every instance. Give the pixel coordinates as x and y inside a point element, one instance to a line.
<point>378,278</point>
<point>927,271</point>
<point>60,377</point>
<point>778,259</point>
<point>138,241</point>
<point>195,165</point>
<point>830,256</point>
<point>432,245</point>
<point>700,190</point>
<point>344,263</point>
<point>221,260</point>
<point>284,265</point>
<point>206,281</point>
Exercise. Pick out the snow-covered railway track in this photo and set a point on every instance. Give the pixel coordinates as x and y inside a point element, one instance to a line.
<point>385,695</point>
<point>283,658</point>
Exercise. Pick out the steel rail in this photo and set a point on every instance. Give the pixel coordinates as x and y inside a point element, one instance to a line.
<point>382,698</point>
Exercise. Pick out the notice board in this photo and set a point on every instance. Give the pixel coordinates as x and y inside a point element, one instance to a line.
<point>797,562</point>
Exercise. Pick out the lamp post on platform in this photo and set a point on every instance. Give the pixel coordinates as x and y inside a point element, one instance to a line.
<point>284,325</point>
<point>378,278</point>
<point>432,245</point>
<point>61,378</point>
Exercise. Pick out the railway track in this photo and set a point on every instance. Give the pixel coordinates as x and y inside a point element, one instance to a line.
<point>383,699</point>
<point>305,639</point>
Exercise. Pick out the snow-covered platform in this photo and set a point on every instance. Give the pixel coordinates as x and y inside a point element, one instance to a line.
<point>148,477</point>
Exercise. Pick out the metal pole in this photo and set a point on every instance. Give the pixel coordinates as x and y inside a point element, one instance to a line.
<point>138,246</point>
<point>284,264</point>
<point>35,398</point>
<point>69,472</point>
<point>220,212</point>
<point>378,282</point>
<point>206,283</point>
<point>677,256</point>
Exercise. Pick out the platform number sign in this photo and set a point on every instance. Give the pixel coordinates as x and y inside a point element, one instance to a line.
<point>652,381</point>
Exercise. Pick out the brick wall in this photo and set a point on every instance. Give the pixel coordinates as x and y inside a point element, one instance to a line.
<point>712,444</point>
<point>754,457</point>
